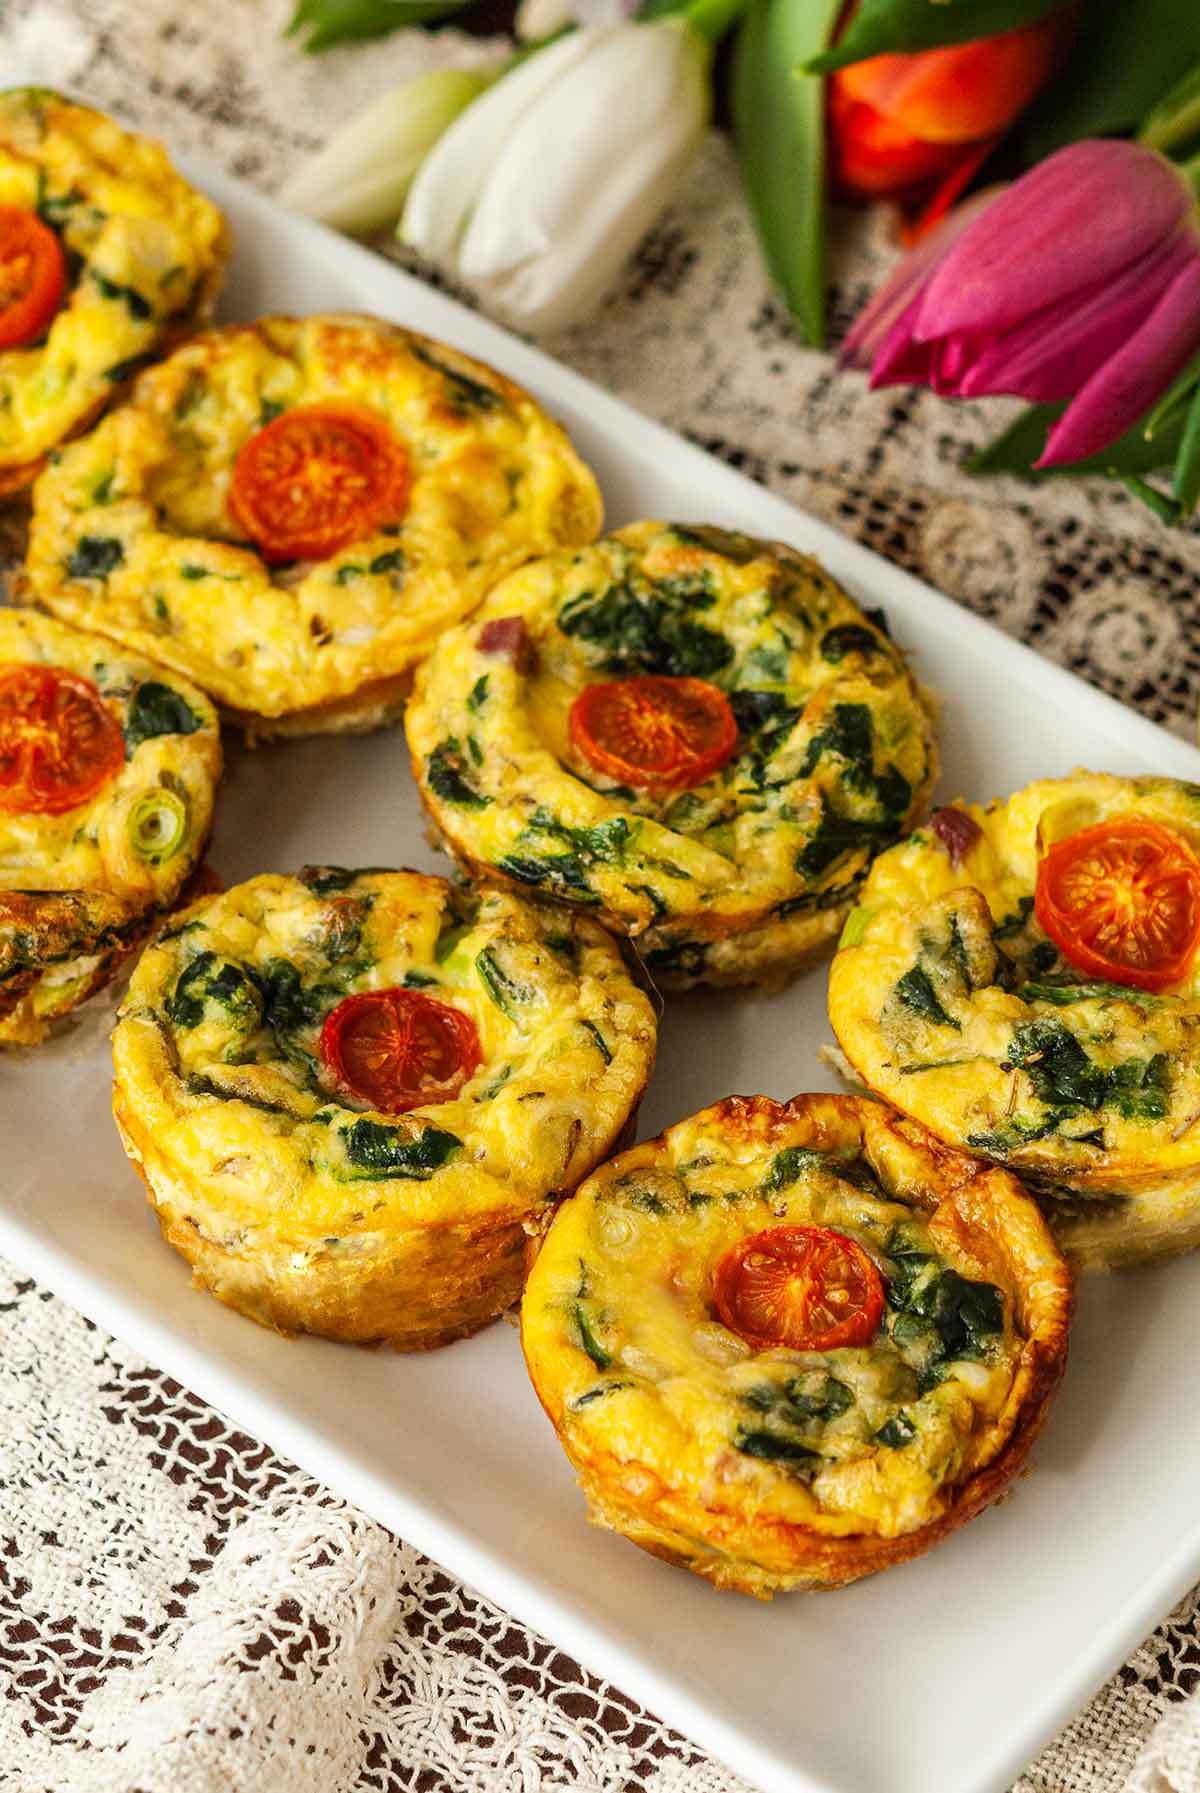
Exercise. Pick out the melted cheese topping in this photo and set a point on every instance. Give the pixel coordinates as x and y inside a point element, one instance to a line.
<point>216,1055</point>
<point>145,251</point>
<point>947,998</point>
<point>632,1363</point>
<point>835,752</point>
<point>132,532</point>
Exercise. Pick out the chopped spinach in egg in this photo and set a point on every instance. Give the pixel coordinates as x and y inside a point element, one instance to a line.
<point>353,1092</point>
<point>722,1450</point>
<point>950,1000</point>
<point>739,876</point>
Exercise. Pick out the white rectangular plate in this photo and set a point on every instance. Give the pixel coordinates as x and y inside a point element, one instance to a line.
<point>947,1674</point>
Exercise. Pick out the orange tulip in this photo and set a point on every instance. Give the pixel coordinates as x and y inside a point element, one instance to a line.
<point>902,124</point>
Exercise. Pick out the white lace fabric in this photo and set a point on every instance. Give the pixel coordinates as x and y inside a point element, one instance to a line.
<point>180,1610</point>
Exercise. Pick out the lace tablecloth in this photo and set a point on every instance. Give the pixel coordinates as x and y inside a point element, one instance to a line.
<point>180,1610</point>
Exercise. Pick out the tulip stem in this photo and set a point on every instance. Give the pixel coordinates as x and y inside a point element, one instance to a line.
<point>1175,120</point>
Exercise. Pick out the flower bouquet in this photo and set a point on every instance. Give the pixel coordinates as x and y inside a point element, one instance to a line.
<point>1042,156</point>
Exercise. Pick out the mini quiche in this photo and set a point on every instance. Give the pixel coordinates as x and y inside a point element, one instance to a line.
<point>1023,979</point>
<point>108,767</point>
<point>786,1345</point>
<point>107,256</point>
<point>351,1093</point>
<point>290,512</point>
<point>695,733</point>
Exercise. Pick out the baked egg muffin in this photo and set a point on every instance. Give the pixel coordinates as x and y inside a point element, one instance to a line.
<point>694,733</point>
<point>108,768</point>
<point>350,1094</point>
<point>1022,978</point>
<point>107,256</point>
<point>291,512</point>
<point>785,1345</point>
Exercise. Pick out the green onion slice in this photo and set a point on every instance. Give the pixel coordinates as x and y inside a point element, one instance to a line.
<point>157,825</point>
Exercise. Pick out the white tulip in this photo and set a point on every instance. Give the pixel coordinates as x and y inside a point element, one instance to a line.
<point>359,179</point>
<point>451,179</point>
<point>538,194</point>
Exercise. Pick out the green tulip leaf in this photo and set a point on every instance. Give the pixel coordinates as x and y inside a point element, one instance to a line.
<point>710,18</point>
<point>1187,463</point>
<point>1164,508</point>
<point>323,23</point>
<point>1175,443</point>
<point>779,122</point>
<point>1015,449</point>
<point>1021,444</point>
<point>1175,398</point>
<point>884,25</point>
<point>1126,60</point>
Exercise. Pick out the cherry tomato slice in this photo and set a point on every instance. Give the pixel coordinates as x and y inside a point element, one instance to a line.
<point>1121,901</point>
<point>316,479</point>
<point>805,1287</point>
<point>59,741</point>
<point>397,1049</point>
<point>33,272</point>
<point>654,731</point>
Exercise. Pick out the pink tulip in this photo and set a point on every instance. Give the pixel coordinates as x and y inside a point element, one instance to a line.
<point>1080,282</point>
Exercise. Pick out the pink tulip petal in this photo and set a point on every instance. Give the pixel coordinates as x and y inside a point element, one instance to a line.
<point>876,319</point>
<point>1128,384</point>
<point>899,361</point>
<point>1050,356</point>
<point>910,367</point>
<point>871,327</point>
<point>952,358</point>
<point>1076,219</point>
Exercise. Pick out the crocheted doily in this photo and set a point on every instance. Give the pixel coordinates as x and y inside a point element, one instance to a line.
<point>180,1610</point>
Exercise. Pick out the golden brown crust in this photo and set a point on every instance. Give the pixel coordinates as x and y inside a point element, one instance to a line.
<point>375,706</point>
<point>14,481</point>
<point>986,1219</point>
<point>435,1285</point>
<point>790,1559</point>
